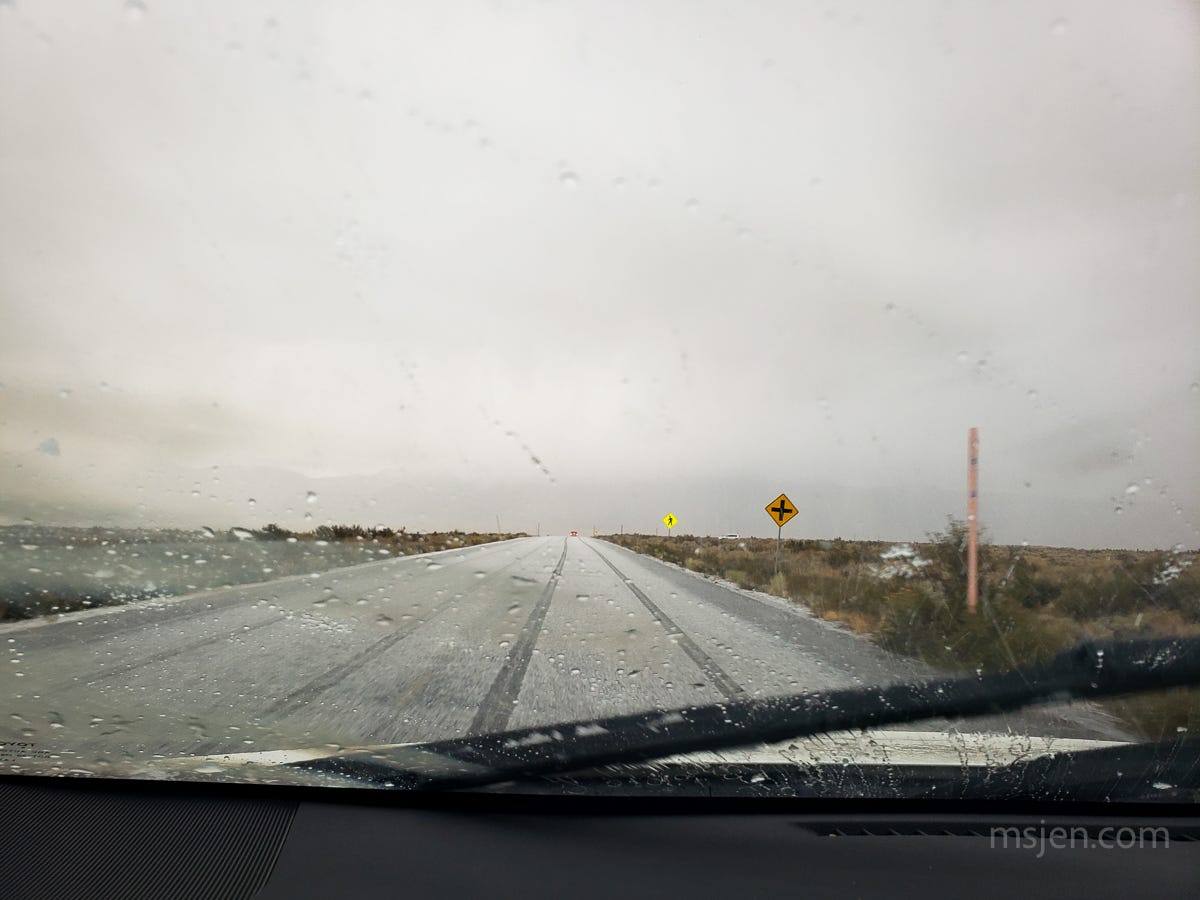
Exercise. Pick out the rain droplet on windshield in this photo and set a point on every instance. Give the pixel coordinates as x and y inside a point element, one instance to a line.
<point>569,180</point>
<point>310,497</point>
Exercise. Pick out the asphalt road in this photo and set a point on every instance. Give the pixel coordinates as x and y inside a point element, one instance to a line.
<point>511,634</point>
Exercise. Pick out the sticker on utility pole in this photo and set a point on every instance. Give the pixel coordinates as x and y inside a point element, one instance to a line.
<point>670,521</point>
<point>781,510</point>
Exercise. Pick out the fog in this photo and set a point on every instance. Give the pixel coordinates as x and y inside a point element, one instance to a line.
<point>579,267</point>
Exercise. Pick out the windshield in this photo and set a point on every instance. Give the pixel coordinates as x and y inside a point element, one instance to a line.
<point>375,375</point>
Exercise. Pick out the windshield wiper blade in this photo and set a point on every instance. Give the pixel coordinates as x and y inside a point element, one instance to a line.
<point>1089,670</point>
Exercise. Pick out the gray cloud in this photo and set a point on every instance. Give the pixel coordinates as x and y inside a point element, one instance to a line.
<point>561,265</point>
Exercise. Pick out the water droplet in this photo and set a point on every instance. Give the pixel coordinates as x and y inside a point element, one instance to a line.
<point>963,358</point>
<point>251,502</point>
<point>432,566</point>
<point>1058,27</point>
<point>134,10</point>
<point>1118,509</point>
<point>310,497</point>
<point>515,608</point>
<point>383,619</point>
<point>64,394</point>
<point>1132,488</point>
<point>1032,395</point>
<point>504,645</point>
<point>576,671</point>
<point>569,180</point>
<point>1194,387</point>
<point>481,574</point>
<point>692,206</point>
<point>582,597</point>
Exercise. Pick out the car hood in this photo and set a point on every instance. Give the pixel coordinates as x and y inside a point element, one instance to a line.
<point>895,750</point>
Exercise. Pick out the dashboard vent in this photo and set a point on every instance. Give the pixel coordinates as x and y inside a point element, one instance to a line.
<point>933,828</point>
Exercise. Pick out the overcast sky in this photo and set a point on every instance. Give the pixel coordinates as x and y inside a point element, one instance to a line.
<point>584,265</point>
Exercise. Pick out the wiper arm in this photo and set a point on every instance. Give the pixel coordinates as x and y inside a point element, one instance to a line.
<point>1089,670</point>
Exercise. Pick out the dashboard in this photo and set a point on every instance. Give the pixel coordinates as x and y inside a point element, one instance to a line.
<point>85,838</point>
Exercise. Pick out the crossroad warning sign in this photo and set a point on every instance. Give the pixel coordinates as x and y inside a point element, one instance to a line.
<point>781,510</point>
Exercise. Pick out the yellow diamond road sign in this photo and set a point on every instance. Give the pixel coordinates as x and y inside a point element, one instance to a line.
<point>781,510</point>
<point>669,520</point>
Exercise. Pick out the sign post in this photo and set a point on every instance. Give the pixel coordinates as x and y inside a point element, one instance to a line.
<point>972,519</point>
<point>670,521</point>
<point>781,510</point>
